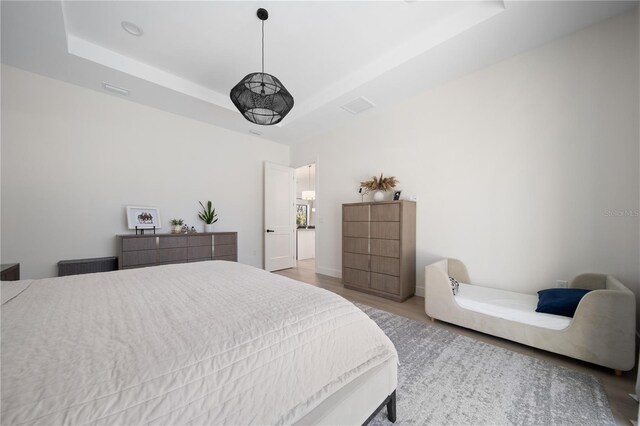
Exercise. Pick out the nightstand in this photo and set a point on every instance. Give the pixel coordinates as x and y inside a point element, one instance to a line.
<point>9,272</point>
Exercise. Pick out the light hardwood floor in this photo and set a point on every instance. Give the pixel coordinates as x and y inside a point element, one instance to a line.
<point>617,388</point>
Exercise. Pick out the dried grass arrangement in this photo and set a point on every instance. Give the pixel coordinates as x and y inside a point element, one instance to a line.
<point>380,183</point>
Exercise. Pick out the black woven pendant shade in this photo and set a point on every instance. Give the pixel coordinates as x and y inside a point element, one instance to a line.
<point>261,97</point>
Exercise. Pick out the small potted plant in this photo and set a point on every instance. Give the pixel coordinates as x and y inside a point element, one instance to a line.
<point>208,216</point>
<point>176,225</point>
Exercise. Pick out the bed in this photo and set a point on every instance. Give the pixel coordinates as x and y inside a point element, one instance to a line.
<point>602,330</point>
<point>205,343</point>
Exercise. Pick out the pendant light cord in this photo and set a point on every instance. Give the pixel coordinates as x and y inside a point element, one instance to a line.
<point>262,47</point>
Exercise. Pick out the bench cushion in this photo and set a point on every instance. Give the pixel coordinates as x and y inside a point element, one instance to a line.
<point>508,305</point>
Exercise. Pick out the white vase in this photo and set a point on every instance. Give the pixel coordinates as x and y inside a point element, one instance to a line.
<point>378,196</point>
<point>208,227</point>
<point>176,229</point>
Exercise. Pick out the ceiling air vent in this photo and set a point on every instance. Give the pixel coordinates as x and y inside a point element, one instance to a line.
<point>115,89</point>
<point>358,105</point>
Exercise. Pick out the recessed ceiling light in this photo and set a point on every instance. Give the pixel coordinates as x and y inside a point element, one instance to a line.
<point>115,89</point>
<point>132,28</point>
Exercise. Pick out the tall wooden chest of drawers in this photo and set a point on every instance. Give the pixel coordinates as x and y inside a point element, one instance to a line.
<point>137,251</point>
<point>379,248</point>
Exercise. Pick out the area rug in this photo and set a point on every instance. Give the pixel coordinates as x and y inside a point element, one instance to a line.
<point>448,379</point>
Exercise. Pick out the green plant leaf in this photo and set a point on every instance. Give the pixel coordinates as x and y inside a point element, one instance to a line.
<point>208,213</point>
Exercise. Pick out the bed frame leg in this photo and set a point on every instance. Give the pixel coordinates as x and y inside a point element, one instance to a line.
<point>618,373</point>
<point>390,402</point>
<point>391,408</point>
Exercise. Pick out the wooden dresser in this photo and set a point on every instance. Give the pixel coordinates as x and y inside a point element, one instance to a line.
<point>136,251</point>
<point>379,248</point>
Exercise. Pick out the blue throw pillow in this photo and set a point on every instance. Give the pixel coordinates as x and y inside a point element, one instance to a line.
<point>560,301</point>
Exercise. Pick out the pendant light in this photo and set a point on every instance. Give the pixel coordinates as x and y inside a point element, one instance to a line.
<point>260,97</point>
<point>309,195</point>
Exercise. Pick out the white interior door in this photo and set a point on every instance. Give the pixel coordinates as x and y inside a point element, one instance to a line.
<point>279,217</point>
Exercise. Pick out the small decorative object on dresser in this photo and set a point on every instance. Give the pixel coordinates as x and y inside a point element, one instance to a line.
<point>379,248</point>
<point>143,217</point>
<point>362,191</point>
<point>176,225</point>
<point>380,185</point>
<point>208,216</point>
<point>396,195</point>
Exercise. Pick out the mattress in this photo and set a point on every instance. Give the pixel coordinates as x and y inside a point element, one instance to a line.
<point>206,343</point>
<point>508,305</point>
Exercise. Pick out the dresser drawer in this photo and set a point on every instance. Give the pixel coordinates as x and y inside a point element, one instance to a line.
<point>355,214</point>
<point>138,243</point>
<point>387,248</point>
<point>356,245</point>
<point>356,261</point>
<point>356,229</point>
<point>172,255</point>
<point>385,213</point>
<point>137,258</point>
<point>355,277</point>
<point>172,242</point>
<point>385,265</point>
<point>199,252</point>
<point>199,240</point>
<point>225,239</point>
<point>226,250</point>
<point>385,230</point>
<point>385,283</point>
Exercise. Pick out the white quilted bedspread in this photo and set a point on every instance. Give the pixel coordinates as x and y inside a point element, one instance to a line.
<point>205,343</point>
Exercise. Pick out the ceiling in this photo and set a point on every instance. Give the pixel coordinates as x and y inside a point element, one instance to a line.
<point>326,53</point>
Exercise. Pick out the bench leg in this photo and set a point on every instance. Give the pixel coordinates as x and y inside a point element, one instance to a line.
<point>391,408</point>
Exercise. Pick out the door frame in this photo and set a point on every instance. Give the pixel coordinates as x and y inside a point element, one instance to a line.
<point>305,162</point>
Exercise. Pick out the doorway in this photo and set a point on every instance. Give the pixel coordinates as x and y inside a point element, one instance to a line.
<point>306,216</point>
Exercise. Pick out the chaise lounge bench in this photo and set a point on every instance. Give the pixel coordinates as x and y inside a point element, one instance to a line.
<point>602,330</point>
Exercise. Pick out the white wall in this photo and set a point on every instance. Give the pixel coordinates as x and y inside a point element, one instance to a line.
<point>521,169</point>
<point>73,158</point>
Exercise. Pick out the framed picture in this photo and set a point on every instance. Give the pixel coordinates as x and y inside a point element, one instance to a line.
<point>396,195</point>
<point>143,217</point>
<point>302,213</point>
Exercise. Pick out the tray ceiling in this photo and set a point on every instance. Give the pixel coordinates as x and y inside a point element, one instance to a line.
<point>326,53</point>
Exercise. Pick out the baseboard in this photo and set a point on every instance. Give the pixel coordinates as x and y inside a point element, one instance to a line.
<point>420,291</point>
<point>336,273</point>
